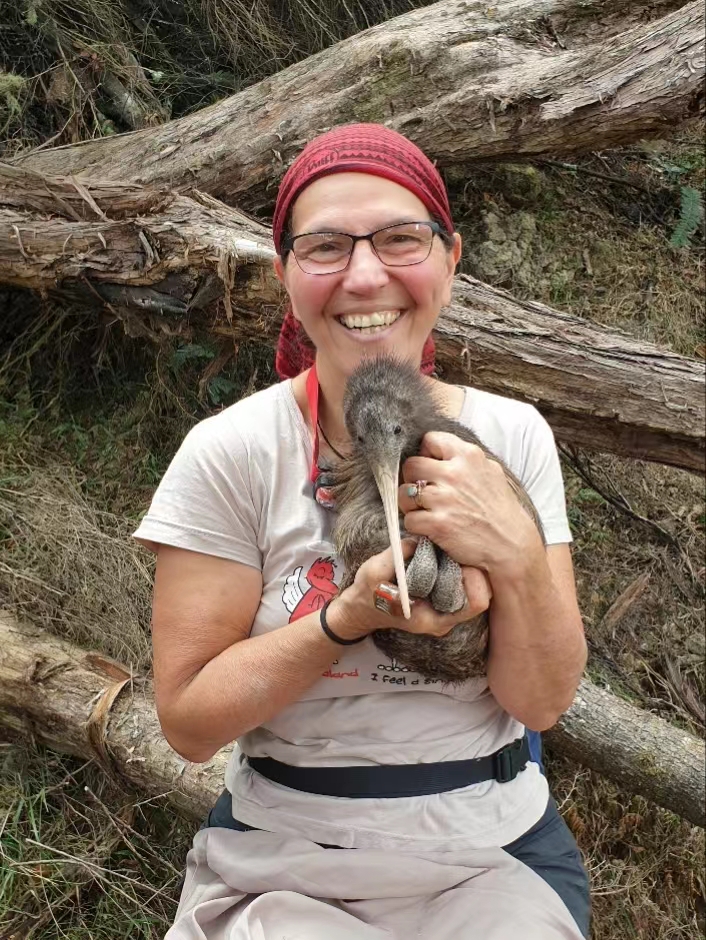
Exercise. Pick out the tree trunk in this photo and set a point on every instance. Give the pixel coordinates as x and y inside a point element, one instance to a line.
<point>642,753</point>
<point>466,81</point>
<point>85,704</point>
<point>162,262</point>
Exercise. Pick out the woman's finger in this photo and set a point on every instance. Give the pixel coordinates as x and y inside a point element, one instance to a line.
<point>425,468</point>
<point>417,495</point>
<point>440,445</point>
<point>381,567</point>
<point>478,590</point>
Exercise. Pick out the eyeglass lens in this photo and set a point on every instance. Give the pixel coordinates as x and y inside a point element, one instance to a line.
<point>326,253</point>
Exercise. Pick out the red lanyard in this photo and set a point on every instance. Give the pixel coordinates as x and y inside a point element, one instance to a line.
<point>312,395</point>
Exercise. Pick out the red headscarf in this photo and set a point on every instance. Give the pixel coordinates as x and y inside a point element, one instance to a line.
<point>361,148</point>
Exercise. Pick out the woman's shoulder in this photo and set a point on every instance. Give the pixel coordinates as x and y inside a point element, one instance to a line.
<point>482,406</point>
<point>513,430</point>
<point>260,417</point>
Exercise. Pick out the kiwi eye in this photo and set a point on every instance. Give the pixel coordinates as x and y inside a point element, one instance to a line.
<point>361,439</point>
<point>397,429</point>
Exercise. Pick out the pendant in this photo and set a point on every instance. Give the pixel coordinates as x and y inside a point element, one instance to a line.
<point>322,491</point>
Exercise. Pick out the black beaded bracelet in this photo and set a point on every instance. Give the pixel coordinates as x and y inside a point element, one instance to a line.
<point>329,632</point>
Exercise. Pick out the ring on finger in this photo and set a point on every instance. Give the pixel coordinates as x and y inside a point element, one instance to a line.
<point>415,490</point>
<point>386,598</point>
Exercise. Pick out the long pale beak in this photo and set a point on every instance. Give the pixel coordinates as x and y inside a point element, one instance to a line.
<point>387,482</point>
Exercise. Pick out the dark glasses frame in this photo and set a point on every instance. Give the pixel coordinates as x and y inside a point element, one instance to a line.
<point>288,244</point>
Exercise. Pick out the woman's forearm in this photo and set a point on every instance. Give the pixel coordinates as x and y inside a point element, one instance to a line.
<point>537,647</point>
<point>250,682</point>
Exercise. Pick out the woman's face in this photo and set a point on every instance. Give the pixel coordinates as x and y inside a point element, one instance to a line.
<point>359,203</point>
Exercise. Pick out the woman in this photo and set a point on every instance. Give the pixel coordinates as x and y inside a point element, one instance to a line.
<point>252,640</point>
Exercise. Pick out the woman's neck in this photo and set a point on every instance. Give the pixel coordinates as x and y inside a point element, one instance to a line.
<point>331,391</point>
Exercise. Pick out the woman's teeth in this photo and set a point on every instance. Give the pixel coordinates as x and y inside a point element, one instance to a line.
<point>370,322</point>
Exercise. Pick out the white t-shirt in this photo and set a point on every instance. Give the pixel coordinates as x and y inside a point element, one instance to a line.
<point>239,488</point>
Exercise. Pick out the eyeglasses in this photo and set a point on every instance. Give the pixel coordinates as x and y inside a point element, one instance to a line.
<point>395,245</point>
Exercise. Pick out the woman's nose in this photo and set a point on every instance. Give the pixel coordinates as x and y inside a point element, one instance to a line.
<point>365,270</point>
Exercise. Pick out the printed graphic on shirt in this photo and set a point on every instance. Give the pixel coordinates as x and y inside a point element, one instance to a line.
<point>306,593</point>
<point>332,673</point>
<point>305,596</point>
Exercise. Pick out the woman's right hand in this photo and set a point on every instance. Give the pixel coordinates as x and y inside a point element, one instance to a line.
<point>353,613</point>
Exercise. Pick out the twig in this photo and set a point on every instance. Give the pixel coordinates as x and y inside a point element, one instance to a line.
<point>617,499</point>
<point>599,176</point>
<point>93,867</point>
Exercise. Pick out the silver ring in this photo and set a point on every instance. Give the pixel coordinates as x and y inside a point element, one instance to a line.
<point>418,490</point>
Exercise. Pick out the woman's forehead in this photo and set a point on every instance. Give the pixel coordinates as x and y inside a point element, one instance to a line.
<point>350,201</point>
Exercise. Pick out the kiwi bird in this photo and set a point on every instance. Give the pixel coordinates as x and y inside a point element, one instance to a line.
<point>388,408</point>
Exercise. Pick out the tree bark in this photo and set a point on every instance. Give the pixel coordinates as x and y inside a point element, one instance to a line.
<point>167,263</point>
<point>635,749</point>
<point>85,704</point>
<point>466,81</point>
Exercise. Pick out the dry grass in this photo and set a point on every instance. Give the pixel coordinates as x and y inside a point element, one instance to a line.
<point>71,567</point>
<point>81,859</point>
<point>645,864</point>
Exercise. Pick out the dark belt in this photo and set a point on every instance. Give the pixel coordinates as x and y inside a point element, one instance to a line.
<point>396,780</point>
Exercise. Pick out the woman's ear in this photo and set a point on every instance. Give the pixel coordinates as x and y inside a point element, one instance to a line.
<point>453,256</point>
<point>456,250</point>
<point>278,265</point>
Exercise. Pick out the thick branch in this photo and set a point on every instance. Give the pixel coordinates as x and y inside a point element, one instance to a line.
<point>165,262</point>
<point>642,753</point>
<point>464,80</point>
<point>68,699</point>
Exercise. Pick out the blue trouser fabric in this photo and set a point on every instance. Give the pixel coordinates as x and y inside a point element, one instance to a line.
<point>534,739</point>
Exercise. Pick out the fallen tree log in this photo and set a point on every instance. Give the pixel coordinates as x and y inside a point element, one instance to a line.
<point>466,81</point>
<point>166,263</point>
<point>84,704</point>
<point>634,749</point>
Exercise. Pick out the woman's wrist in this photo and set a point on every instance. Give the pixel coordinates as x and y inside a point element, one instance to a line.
<point>342,620</point>
<point>520,562</point>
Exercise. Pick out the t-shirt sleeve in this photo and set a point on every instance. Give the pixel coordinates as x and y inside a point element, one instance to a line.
<point>205,500</point>
<point>541,477</point>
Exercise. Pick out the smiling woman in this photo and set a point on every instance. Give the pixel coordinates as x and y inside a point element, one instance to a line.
<point>355,777</point>
<point>341,313</point>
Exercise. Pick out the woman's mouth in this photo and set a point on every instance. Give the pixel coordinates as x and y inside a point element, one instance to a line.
<point>370,323</point>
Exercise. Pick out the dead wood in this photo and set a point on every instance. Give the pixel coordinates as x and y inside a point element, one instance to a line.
<point>82,703</point>
<point>174,264</point>
<point>637,750</point>
<point>465,81</point>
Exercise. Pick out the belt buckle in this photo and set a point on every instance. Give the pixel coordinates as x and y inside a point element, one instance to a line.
<point>505,769</point>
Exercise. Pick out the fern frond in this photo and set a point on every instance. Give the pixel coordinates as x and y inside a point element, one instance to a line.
<point>690,216</point>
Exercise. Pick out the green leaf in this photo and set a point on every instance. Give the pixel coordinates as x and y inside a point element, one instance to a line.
<point>690,216</point>
<point>220,388</point>
<point>190,352</point>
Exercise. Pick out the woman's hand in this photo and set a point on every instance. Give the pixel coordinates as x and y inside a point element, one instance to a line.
<point>469,509</point>
<point>353,613</point>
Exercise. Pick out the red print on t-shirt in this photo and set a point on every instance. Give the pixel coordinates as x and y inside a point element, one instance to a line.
<point>300,602</point>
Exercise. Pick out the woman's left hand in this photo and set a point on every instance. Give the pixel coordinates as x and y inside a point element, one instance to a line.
<point>469,509</point>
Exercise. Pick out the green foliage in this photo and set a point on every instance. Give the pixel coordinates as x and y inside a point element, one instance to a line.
<point>189,353</point>
<point>12,88</point>
<point>220,389</point>
<point>690,217</point>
